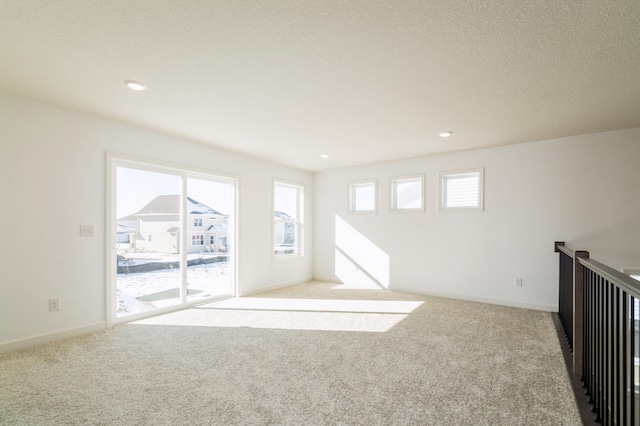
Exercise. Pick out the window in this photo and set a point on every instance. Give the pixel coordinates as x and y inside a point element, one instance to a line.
<point>462,190</point>
<point>362,196</point>
<point>158,260</point>
<point>288,201</point>
<point>212,240</point>
<point>406,193</point>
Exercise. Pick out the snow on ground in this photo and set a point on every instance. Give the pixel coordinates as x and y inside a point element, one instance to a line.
<point>142,258</point>
<point>206,280</point>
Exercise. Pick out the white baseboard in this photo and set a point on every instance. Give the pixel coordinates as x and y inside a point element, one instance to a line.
<point>17,344</point>
<point>273,287</point>
<point>327,280</point>
<point>459,296</point>
<point>480,299</point>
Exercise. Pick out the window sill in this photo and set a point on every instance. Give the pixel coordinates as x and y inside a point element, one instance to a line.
<point>287,257</point>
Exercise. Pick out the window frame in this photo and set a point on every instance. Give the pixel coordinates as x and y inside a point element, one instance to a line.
<point>298,223</point>
<point>443,176</point>
<point>352,185</point>
<point>393,196</point>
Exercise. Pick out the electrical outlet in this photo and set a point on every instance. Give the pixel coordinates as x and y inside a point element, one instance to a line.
<point>517,282</point>
<point>54,305</point>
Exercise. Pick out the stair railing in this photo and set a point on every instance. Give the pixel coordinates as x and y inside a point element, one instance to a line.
<point>598,307</point>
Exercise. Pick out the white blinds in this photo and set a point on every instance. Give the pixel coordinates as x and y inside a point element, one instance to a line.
<point>461,190</point>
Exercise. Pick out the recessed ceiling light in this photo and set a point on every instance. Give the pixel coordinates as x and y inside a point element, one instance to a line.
<point>135,85</point>
<point>324,155</point>
<point>445,134</point>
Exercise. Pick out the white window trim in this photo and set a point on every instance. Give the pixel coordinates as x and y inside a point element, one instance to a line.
<point>443,175</point>
<point>351,199</point>
<point>114,160</point>
<point>392,195</point>
<point>298,222</point>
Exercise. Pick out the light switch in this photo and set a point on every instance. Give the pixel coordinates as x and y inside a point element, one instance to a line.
<point>86,230</point>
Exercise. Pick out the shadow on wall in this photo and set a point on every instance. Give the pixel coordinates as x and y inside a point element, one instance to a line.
<point>357,259</point>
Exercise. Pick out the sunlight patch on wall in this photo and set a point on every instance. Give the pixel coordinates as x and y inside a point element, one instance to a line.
<point>357,258</point>
<point>349,272</point>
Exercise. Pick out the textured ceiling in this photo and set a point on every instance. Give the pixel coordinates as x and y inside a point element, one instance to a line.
<point>362,81</point>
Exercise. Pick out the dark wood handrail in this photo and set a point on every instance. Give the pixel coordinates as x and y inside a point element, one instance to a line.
<point>559,246</point>
<point>620,279</point>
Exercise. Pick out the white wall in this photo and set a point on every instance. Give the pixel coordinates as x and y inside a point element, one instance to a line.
<point>584,190</point>
<point>53,163</point>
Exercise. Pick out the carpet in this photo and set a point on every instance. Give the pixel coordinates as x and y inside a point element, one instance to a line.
<point>310,354</point>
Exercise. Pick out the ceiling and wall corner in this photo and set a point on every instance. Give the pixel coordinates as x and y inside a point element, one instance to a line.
<point>361,81</point>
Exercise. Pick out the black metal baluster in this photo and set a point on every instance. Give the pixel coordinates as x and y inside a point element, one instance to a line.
<point>614,354</point>
<point>588,373</point>
<point>599,353</point>
<point>589,327</point>
<point>632,364</point>
<point>606,413</point>
<point>624,362</point>
<point>615,350</point>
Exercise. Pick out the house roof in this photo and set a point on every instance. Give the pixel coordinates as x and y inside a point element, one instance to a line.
<point>363,81</point>
<point>123,229</point>
<point>170,204</point>
<point>196,207</point>
<point>162,204</point>
<point>217,228</point>
<point>282,215</point>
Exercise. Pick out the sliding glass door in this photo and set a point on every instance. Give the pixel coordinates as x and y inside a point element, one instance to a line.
<point>173,238</point>
<point>208,229</point>
<point>147,241</point>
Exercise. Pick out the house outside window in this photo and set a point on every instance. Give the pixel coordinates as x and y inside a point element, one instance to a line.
<point>197,222</point>
<point>288,202</point>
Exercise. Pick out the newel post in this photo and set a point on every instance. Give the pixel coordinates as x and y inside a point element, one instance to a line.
<point>578,309</point>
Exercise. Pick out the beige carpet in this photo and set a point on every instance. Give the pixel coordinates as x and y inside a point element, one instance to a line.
<point>313,354</point>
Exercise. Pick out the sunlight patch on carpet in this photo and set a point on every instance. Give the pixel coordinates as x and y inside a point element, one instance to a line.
<point>317,305</point>
<point>374,316</point>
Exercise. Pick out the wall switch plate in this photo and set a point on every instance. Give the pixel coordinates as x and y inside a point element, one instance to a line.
<point>86,230</point>
<point>54,305</point>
